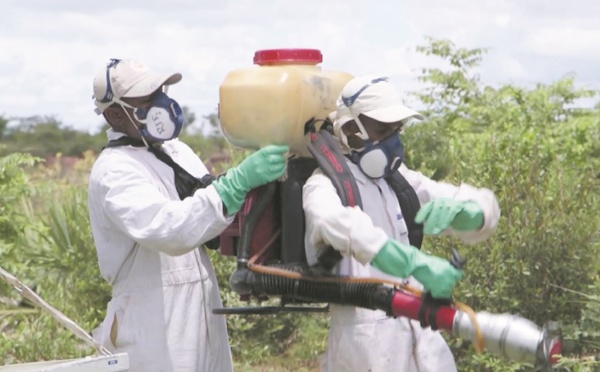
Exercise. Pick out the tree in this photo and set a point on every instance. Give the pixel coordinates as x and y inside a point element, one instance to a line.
<point>46,136</point>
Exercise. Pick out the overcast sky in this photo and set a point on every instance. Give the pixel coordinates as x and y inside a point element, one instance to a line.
<point>50,49</point>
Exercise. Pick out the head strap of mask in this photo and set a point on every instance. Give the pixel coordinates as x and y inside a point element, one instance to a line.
<point>161,121</point>
<point>109,97</point>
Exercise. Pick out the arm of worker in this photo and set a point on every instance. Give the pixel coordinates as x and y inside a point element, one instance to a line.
<point>329,223</point>
<point>469,212</point>
<point>351,231</point>
<point>134,203</point>
<point>261,167</point>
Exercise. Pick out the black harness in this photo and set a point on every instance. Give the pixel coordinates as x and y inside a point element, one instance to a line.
<point>185,183</point>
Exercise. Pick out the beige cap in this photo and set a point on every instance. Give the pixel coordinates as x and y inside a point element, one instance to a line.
<point>376,98</point>
<point>127,78</point>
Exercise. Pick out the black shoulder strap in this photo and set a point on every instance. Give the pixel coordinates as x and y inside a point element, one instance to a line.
<point>332,161</point>
<point>327,152</point>
<point>185,183</point>
<point>124,141</point>
<point>409,205</point>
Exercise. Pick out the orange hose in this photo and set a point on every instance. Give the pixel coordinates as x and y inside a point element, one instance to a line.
<point>478,344</point>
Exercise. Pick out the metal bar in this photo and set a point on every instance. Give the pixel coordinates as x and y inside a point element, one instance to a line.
<point>29,294</point>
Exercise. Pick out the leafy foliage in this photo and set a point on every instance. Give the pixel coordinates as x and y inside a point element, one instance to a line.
<point>45,136</point>
<point>53,254</point>
<point>539,154</point>
<point>13,186</point>
<point>533,146</point>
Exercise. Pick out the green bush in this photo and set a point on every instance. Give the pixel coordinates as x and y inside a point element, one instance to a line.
<point>540,156</point>
<point>531,146</point>
<point>14,186</point>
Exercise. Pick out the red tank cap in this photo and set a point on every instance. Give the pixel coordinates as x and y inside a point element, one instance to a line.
<point>287,57</point>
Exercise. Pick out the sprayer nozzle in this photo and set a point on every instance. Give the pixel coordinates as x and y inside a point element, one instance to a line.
<point>555,350</point>
<point>550,346</point>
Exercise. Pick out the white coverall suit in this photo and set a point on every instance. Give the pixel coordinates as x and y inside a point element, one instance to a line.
<point>147,239</point>
<point>364,340</point>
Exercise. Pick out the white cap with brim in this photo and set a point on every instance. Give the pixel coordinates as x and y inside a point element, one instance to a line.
<point>378,100</point>
<point>129,78</point>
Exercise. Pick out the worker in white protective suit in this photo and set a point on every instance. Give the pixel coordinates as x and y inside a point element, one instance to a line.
<point>374,241</point>
<point>152,207</point>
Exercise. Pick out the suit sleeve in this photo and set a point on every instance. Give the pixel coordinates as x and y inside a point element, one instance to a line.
<point>347,229</point>
<point>428,189</point>
<point>138,208</point>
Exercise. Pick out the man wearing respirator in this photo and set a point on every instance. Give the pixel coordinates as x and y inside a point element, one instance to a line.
<point>153,205</point>
<point>374,241</point>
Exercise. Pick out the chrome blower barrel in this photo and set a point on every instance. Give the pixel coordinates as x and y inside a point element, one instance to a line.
<point>513,337</point>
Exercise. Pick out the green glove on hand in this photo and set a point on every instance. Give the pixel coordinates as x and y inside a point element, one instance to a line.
<point>259,168</point>
<point>436,274</point>
<point>439,214</point>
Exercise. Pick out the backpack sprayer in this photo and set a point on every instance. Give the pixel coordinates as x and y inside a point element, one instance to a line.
<point>267,239</point>
<point>277,102</point>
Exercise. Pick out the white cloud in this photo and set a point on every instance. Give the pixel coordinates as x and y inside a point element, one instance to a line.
<point>514,68</point>
<point>502,20</point>
<point>565,41</point>
<point>51,49</point>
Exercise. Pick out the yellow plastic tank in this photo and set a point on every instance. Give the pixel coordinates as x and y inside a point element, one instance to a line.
<point>271,103</point>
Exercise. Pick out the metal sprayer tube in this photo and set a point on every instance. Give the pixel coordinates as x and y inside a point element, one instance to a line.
<point>508,335</point>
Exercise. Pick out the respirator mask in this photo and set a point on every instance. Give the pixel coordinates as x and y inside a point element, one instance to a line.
<point>380,158</point>
<point>162,120</point>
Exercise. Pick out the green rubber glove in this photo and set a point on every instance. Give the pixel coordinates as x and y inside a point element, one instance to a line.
<point>259,168</point>
<point>436,274</point>
<point>439,214</point>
